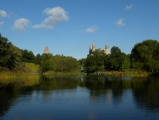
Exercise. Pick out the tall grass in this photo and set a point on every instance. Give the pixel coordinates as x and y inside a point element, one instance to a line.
<point>19,77</point>
<point>31,67</point>
<point>128,73</point>
<point>63,73</point>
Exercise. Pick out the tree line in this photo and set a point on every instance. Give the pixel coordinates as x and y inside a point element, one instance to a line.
<point>14,58</point>
<point>144,57</point>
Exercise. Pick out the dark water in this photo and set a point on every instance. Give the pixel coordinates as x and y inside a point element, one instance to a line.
<point>81,98</point>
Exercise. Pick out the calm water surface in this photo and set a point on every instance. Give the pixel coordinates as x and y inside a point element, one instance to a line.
<point>81,98</point>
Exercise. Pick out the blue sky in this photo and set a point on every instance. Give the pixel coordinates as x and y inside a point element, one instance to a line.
<point>69,27</point>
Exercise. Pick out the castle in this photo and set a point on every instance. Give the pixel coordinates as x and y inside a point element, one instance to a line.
<point>92,48</point>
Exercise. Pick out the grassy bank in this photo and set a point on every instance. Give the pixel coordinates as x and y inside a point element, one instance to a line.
<point>28,77</point>
<point>19,77</point>
<point>108,73</point>
<point>126,73</point>
<point>63,73</point>
<point>31,68</point>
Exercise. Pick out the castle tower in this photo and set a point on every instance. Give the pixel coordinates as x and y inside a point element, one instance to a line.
<point>107,51</point>
<point>46,50</point>
<point>92,48</point>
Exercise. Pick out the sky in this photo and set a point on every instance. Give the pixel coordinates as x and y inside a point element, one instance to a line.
<point>69,27</point>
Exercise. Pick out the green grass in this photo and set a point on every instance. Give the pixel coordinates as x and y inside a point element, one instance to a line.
<point>28,77</point>
<point>63,73</point>
<point>128,73</point>
<point>32,68</point>
<point>19,77</point>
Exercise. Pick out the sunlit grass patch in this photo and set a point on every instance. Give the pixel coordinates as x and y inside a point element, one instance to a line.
<point>19,77</point>
<point>31,67</point>
<point>128,73</point>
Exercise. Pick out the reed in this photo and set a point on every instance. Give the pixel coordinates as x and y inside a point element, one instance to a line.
<point>128,73</point>
<point>63,73</point>
<point>19,77</point>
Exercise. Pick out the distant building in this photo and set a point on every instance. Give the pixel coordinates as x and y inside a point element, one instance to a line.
<point>107,51</point>
<point>46,51</point>
<point>92,48</point>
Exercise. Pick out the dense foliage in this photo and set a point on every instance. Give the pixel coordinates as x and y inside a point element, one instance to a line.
<point>99,61</point>
<point>13,58</point>
<point>117,60</point>
<point>27,56</point>
<point>144,57</point>
<point>95,61</point>
<point>9,54</point>
<point>58,63</point>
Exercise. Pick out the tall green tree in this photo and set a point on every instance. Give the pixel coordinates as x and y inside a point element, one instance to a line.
<point>117,60</point>
<point>144,55</point>
<point>38,59</point>
<point>9,54</point>
<point>27,56</point>
<point>81,63</point>
<point>46,63</point>
<point>95,61</point>
<point>58,63</point>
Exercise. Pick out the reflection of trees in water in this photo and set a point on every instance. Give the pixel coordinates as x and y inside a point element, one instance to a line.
<point>146,93</point>
<point>102,89</point>
<point>58,83</point>
<point>145,90</point>
<point>8,95</point>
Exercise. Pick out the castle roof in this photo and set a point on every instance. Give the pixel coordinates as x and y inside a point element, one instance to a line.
<point>46,50</point>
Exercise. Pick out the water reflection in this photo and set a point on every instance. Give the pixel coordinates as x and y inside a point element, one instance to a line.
<point>146,93</point>
<point>84,91</point>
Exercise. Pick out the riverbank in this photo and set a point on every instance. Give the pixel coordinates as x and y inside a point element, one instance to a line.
<point>11,77</point>
<point>123,73</point>
<point>128,73</point>
<point>63,73</point>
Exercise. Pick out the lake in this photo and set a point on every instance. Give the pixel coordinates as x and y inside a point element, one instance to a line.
<point>81,98</point>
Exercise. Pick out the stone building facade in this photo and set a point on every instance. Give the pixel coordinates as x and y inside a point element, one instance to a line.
<point>92,48</point>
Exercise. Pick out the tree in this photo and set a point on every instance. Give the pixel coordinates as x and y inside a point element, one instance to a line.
<point>125,62</point>
<point>58,63</point>
<point>38,59</point>
<point>70,64</point>
<point>144,55</point>
<point>9,54</point>
<point>46,63</point>
<point>115,50</point>
<point>95,61</point>
<point>117,60</point>
<point>113,61</point>
<point>27,56</point>
<point>81,63</point>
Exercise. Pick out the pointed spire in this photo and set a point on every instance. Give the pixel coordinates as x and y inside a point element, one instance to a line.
<point>46,50</point>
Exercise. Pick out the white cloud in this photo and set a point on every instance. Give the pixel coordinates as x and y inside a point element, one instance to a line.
<point>56,15</point>
<point>128,7</point>
<point>120,22</point>
<point>91,29</point>
<point>3,13</point>
<point>1,22</point>
<point>21,24</point>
